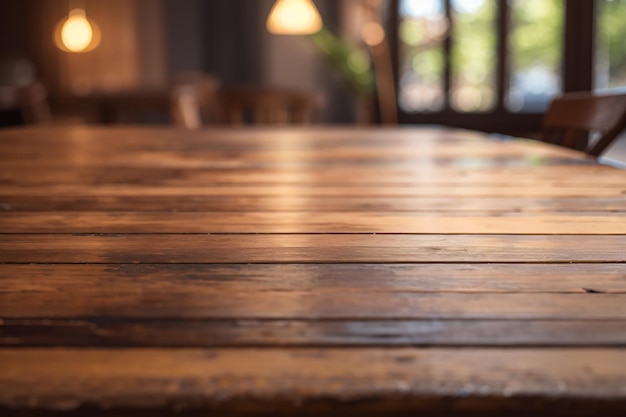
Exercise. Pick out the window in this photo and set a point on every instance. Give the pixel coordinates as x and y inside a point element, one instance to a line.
<point>535,45</point>
<point>422,63</point>
<point>494,65</point>
<point>473,55</point>
<point>610,68</point>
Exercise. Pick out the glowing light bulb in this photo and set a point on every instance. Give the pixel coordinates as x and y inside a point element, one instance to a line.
<point>77,33</point>
<point>294,17</point>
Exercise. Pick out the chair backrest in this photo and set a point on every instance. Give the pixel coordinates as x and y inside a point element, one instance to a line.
<point>31,100</point>
<point>193,99</point>
<point>270,106</point>
<point>573,117</point>
<point>185,108</point>
<point>206,89</point>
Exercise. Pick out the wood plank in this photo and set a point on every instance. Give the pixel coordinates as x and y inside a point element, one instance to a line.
<point>311,222</point>
<point>288,162</point>
<point>165,248</point>
<point>253,140</point>
<point>312,304</point>
<point>354,176</point>
<point>221,135</point>
<point>294,203</point>
<point>513,381</point>
<point>354,173</point>
<point>292,161</point>
<point>80,280</point>
<point>311,333</point>
<point>278,190</point>
<point>469,153</point>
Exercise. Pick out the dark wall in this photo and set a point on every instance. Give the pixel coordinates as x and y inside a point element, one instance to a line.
<point>233,45</point>
<point>220,37</point>
<point>184,35</point>
<point>14,18</point>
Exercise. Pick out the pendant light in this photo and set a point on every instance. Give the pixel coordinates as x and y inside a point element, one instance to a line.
<point>294,17</point>
<point>77,33</point>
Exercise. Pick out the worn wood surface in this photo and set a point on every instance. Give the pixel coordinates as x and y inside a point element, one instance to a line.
<point>308,248</point>
<point>190,203</point>
<point>302,222</point>
<point>402,379</point>
<point>308,272</point>
<point>299,333</point>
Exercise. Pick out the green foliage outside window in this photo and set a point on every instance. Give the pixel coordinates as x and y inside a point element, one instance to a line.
<point>537,33</point>
<point>611,42</point>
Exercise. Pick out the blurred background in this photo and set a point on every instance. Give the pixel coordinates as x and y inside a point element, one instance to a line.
<point>490,65</point>
<point>145,43</point>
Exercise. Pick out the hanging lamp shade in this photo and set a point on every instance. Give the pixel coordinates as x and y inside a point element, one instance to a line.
<point>77,33</point>
<point>294,17</point>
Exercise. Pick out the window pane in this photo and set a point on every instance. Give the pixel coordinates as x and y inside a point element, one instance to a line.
<point>610,70</point>
<point>473,55</point>
<point>421,55</point>
<point>536,43</point>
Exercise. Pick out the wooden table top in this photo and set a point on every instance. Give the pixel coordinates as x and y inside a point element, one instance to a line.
<point>308,272</point>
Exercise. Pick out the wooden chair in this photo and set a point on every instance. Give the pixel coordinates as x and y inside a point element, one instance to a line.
<point>573,118</point>
<point>185,107</point>
<point>270,106</point>
<point>206,87</point>
<point>31,100</point>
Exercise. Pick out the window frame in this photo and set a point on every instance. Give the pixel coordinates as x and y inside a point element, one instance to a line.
<point>577,70</point>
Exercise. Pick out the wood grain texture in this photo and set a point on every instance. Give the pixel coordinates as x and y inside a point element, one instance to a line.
<point>133,333</point>
<point>311,222</point>
<point>365,305</point>
<point>445,291</point>
<point>277,190</point>
<point>300,248</point>
<point>66,280</point>
<point>353,272</point>
<point>410,379</point>
<point>190,203</point>
<point>347,175</point>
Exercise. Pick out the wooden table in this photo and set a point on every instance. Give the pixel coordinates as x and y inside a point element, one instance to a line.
<point>308,272</point>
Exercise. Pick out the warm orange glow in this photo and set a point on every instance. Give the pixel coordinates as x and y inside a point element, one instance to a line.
<point>373,33</point>
<point>294,17</point>
<point>77,33</point>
